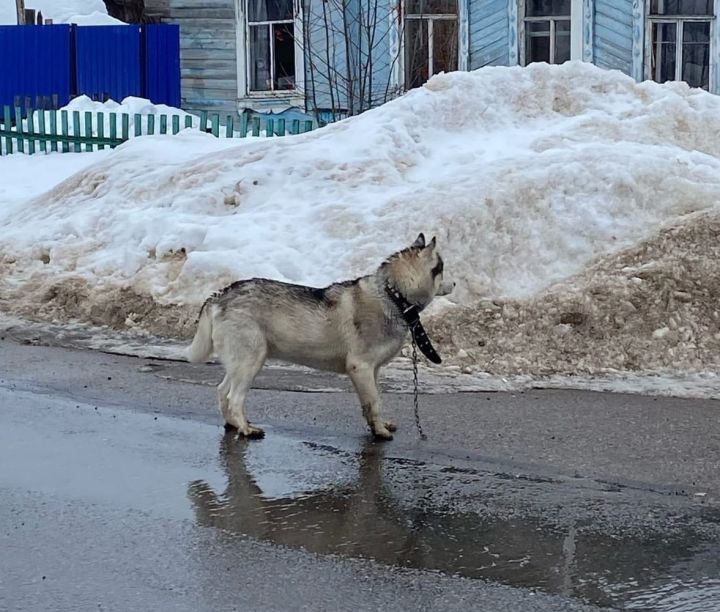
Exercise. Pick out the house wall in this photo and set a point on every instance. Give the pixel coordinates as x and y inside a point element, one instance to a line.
<point>207,51</point>
<point>613,34</point>
<point>489,33</point>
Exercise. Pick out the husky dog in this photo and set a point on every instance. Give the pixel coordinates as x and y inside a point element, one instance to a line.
<point>352,327</point>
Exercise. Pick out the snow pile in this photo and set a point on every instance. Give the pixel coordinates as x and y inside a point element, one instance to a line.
<point>654,306</point>
<point>130,106</point>
<point>526,175</point>
<point>80,12</point>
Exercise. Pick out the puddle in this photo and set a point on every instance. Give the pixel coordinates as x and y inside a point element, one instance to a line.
<point>401,512</point>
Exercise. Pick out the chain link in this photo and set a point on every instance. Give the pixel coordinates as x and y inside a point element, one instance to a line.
<point>415,390</point>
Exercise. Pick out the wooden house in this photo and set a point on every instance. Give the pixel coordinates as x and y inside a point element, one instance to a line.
<point>336,57</point>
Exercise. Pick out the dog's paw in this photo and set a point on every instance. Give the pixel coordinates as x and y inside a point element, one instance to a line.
<point>381,432</point>
<point>252,432</point>
<point>390,426</point>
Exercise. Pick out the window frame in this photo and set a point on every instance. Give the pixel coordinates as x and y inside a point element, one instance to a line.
<point>652,19</point>
<point>460,18</point>
<point>269,99</point>
<point>552,19</point>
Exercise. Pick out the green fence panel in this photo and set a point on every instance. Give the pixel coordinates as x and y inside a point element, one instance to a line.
<point>19,140</point>
<point>53,130</point>
<point>64,121</point>
<point>30,130</point>
<point>76,130</point>
<point>100,131</point>
<point>125,129</point>
<point>7,126</point>
<point>113,127</point>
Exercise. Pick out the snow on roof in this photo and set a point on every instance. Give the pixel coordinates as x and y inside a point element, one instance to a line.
<point>526,176</point>
<point>80,12</point>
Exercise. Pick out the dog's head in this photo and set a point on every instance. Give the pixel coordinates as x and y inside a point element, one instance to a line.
<point>418,272</point>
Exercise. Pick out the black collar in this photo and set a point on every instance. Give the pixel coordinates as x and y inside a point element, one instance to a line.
<point>411,315</point>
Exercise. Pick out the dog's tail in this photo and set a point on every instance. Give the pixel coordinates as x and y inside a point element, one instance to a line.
<point>202,344</point>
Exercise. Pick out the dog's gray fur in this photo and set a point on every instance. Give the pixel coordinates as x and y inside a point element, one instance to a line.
<point>351,327</point>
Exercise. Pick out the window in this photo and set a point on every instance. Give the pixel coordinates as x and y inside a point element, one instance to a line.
<point>431,39</point>
<point>270,45</point>
<point>680,41</point>
<point>547,31</point>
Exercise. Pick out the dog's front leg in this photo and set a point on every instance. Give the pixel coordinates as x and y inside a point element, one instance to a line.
<point>363,378</point>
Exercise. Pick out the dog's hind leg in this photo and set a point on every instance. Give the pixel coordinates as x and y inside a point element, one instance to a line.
<point>244,361</point>
<point>363,379</point>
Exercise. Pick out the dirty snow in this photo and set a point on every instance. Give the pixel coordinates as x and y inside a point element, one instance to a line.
<point>547,187</point>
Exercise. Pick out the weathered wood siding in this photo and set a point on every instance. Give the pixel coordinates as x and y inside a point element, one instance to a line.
<point>489,32</point>
<point>208,57</point>
<point>613,34</point>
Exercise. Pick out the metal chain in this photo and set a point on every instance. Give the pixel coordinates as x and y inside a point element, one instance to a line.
<point>415,390</point>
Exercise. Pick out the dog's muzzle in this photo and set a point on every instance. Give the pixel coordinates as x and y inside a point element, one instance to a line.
<point>445,288</point>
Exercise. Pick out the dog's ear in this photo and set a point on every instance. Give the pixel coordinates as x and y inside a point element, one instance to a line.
<point>419,241</point>
<point>432,244</point>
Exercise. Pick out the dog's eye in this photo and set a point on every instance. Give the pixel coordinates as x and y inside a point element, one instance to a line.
<point>438,269</point>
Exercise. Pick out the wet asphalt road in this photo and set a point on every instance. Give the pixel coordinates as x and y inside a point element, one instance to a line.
<point>120,491</point>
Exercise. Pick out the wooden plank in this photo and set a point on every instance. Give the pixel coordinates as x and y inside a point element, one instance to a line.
<point>42,130</point>
<point>53,129</point>
<point>188,121</point>
<point>269,127</point>
<point>203,121</point>
<point>215,125</point>
<point>138,124</point>
<point>229,126</point>
<point>101,129</point>
<point>125,129</point>
<point>31,130</point>
<point>243,125</point>
<point>65,130</point>
<point>7,124</point>
<point>256,126</point>
<point>151,125</point>
<point>76,130</point>
<point>113,125</point>
<point>19,130</point>
<point>88,130</point>
<point>163,124</point>
<point>308,126</point>
<point>295,129</point>
<point>175,124</point>
<point>281,127</point>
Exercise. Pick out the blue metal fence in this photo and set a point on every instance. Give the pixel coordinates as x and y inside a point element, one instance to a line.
<point>35,61</point>
<point>99,61</point>
<point>162,78</point>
